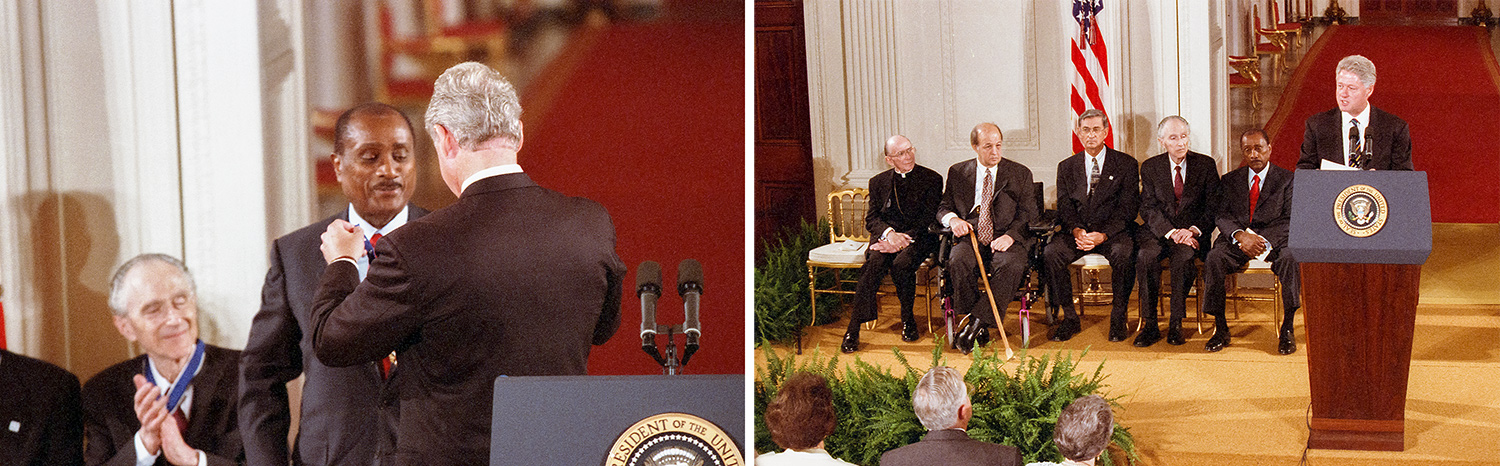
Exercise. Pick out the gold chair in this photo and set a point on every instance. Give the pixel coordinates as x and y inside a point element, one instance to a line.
<point>1164,294</point>
<point>1246,75</point>
<point>1088,287</point>
<point>847,241</point>
<point>1280,23</point>
<point>1275,42</point>
<point>1235,293</point>
<point>433,49</point>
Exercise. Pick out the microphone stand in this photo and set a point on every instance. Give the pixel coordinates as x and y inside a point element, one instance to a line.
<point>670,364</point>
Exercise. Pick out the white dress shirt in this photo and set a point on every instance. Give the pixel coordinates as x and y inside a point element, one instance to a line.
<point>808,457</point>
<point>1364,129</point>
<point>363,262</point>
<point>488,172</point>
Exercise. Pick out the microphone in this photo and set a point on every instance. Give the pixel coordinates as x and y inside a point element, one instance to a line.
<point>648,288</point>
<point>690,287</point>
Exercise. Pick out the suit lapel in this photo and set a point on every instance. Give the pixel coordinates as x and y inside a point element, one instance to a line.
<point>969,172</point>
<point>204,385</point>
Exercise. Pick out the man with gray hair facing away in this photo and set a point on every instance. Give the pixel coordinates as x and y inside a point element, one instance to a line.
<point>175,404</point>
<point>941,401</point>
<point>513,279</point>
<point>1356,134</point>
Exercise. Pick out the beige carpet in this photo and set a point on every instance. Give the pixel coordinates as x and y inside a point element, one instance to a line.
<point>1247,405</point>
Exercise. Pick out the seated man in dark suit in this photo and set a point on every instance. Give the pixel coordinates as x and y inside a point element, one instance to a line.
<point>991,197</point>
<point>1178,189</point>
<point>374,157</point>
<point>941,401</point>
<point>175,404</point>
<point>903,202</point>
<point>1356,134</point>
<point>1098,195</point>
<point>40,419</point>
<point>1253,222</point>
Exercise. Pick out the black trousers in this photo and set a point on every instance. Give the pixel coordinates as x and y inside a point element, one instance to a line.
<point>902,266</point>
<point>1150,250</point>
<point>1005,269</point>
<point>1119,250</point>
<point>1226,258</point>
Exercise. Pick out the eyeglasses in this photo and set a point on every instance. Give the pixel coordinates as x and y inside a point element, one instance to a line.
<point>1091,129</point>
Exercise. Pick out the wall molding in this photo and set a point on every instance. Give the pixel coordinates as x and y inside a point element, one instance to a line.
<point>1028,137</point>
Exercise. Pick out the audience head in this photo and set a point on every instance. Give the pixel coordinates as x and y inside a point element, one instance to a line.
<point>802,413</point>
<point>1256,148</point>
<point>988,143</point>
<point>1173,133</point>
<point>1354,81</point>
<point>374,159</point>
<point>155,304</point>
<point>941,399</point>
<point>474,110</point>
<point>899,153</point>
<point>1092,128</point>
<point>1084,428</point>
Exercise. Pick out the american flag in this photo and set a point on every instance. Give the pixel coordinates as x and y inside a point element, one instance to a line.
<point>1090,63</point>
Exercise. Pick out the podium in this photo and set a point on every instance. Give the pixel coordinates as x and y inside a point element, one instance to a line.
<point>1361,238</point>
<point>582,419</point>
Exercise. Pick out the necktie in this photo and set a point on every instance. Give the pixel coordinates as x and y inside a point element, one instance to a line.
<point>986,224</point>
<point>181,420</point>
<point>1356,151</point>
<point>1177,182</point>
<point>1254,194</point>
<point>1093,175</point>
<point>390,360</point>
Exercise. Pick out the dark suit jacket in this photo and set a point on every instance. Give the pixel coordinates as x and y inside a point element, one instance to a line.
<point>1013,208</point>
<point>951,446</point>
<point>1162,212</point>
<point>1112,208</point>
<point>912,212</point>
<point>1323,139</point>
<point>342,407</point>
<point>513,280</point>
<point>109,421</point>
<point>1273,211</point>
<point>41,401</point>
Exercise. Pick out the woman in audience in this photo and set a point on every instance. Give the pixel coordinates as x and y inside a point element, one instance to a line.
<point>1083,431</point>
<point>799,418</point>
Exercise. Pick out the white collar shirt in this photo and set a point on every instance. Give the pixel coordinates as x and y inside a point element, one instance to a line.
<point>488,172</point>
<point>363,263</point>
<point>1364,129</point>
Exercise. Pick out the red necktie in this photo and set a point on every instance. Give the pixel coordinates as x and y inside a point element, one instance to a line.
<point>1254,194</point>
<point>389,360</point>
<point>374,239</point>
<point>1177,182</point>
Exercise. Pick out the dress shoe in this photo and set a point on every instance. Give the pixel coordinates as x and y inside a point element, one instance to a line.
<point>1118,333</point>
<point>982,335</point>
<point>1064,330</point>
<point>1288,343</point>
<point>851,342</point>
<point>1174,336</point>
<point>1147,337</point>
<point>1218,342</point>
<point>964,338</point>
<point>909,331</point>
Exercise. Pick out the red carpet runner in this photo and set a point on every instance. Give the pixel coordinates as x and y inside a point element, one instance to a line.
<point>1442,80</point>
<point>651,123</point>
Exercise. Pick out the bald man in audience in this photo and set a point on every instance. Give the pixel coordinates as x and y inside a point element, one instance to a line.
<point>175,404</point>
<point>941,401</point>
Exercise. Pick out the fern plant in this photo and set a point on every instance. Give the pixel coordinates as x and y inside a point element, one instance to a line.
<point>782,302</point>
<point>1017,408</point>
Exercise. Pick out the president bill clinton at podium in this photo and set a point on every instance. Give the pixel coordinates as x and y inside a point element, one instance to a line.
<point>1356,134</point>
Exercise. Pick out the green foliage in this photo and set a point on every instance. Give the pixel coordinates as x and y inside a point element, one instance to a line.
<point>1018,408</point>
<point>782,300</point>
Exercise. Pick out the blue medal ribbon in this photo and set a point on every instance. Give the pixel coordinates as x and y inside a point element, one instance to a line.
<point>184,380</point>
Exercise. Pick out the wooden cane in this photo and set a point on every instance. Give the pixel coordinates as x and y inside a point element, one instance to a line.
<point>984,274</point>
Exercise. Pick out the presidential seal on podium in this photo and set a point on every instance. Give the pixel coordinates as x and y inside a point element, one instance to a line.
<point>1360,210</point>
<point>674,439</point>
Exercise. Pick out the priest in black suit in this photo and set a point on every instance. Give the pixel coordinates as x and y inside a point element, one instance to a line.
<point>175,404</point>
<point>1179,189</point>
<point>348,414</point>
<point>1356,133</point>
<point>999,224</point>
<point>513,279</point>
<point>1255,215</point>
<point>41,421</point>
<point>903,202</point>
<point>1098,196</point>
